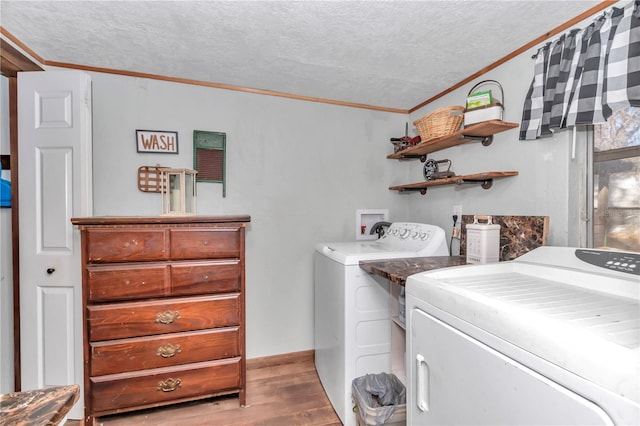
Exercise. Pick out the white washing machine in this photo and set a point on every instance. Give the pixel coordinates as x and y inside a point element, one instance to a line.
<point>552,337</point>
<point>352,321</point>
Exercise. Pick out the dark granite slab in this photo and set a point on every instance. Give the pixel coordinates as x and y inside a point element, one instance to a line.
<point>397,270</point>
<point>38,407</point>
<point>518,234</point>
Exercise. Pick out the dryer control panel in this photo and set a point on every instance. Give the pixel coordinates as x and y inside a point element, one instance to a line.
<point>614,260</point>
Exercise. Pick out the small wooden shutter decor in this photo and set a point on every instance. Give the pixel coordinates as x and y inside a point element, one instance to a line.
<point>209,157</point>
<point>149,179</point>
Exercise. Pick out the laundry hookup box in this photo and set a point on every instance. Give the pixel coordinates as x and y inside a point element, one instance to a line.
<point>483,241</point>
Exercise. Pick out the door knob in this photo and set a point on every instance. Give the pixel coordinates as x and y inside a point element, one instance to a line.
<point>50,271</point>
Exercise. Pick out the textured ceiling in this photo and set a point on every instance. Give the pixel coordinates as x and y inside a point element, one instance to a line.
<point>391,54</point>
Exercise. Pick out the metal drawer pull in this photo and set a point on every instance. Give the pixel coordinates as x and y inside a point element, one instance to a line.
<point>168,351</point>
<point>167,317</point>
<point>169,385</point>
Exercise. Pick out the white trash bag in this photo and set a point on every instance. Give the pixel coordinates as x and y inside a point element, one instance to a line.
<point>382,393</point>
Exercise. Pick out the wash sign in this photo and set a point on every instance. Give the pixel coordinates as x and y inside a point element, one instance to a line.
<point>157,141</point>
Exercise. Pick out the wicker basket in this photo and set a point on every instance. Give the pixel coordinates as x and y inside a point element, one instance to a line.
<point>440,122</point>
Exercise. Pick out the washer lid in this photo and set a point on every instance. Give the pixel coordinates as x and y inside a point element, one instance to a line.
<point>586,323</point>
<point>402,239</point>
<point>351,253</point>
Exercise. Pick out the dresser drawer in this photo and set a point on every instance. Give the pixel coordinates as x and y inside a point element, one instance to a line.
<point>211,277</point>
<point>130,245</point>
<point>126,282</point>
<point>145,318</point>
<point>140,353</point>
<point>211,243</point>
<point>146,388</point>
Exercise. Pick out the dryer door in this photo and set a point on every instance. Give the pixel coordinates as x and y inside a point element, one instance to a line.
<point>458,380</point>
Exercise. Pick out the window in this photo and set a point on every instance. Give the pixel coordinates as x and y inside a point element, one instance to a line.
<point>616,182</point>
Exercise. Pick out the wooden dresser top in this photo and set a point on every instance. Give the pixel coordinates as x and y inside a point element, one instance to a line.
<point>150,220</point>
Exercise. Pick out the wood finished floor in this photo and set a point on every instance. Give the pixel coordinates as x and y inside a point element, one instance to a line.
<point>279,395</point>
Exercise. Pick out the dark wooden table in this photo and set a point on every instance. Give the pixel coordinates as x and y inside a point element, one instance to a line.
<point>397,270</point>
<point>38,407</point>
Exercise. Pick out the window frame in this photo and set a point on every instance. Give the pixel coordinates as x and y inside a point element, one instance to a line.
<point>593,157</point>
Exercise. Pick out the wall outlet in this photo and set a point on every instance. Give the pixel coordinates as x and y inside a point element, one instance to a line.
<point>456,230</point>
<point>457,233</point>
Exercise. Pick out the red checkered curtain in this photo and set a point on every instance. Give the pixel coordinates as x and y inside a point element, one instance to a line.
<point>585,75</point>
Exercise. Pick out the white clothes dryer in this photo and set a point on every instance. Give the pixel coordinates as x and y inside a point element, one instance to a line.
<point>551,338</point>
<point>352,320</point>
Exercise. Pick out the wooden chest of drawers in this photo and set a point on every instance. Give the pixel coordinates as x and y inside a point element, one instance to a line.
<point>163,306</point>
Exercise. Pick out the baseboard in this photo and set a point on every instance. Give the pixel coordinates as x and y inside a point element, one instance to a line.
<point>289,358</point>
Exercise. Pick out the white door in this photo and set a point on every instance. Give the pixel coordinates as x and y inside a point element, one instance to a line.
<point>54,147</point>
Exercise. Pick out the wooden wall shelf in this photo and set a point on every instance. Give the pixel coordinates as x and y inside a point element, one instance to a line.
<point>485,180</point>
<point>482,132</point>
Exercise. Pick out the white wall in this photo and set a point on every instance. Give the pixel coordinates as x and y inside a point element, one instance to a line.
<point>542,187</point>
<point>6,269</point>
<point>300,169</point>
